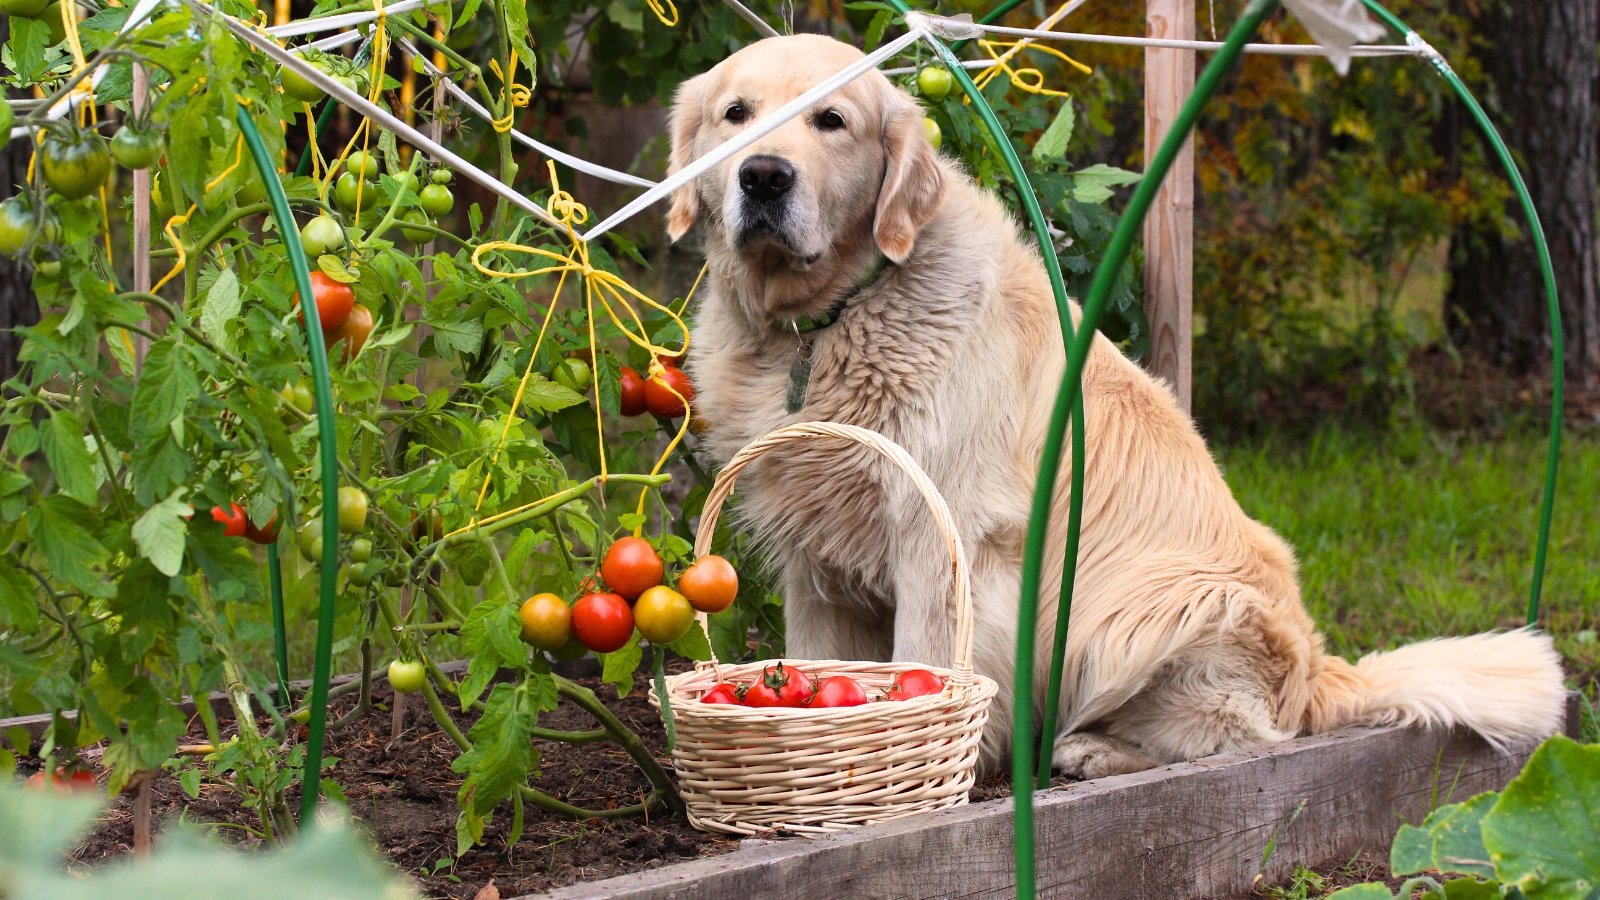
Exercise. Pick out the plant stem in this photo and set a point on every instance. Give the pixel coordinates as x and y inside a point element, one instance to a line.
<point>625,738</point>
<point>446,724</point>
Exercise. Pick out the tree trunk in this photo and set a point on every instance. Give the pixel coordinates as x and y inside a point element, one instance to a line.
<point>1545,71</point>
<point>18,309</point>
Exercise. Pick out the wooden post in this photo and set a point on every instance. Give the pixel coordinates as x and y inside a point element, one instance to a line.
<point>1169,230</point>
<point>141,209</point>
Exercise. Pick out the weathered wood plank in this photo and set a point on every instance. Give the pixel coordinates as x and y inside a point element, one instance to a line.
<point>1190,830</point>
<point>1169,229</point>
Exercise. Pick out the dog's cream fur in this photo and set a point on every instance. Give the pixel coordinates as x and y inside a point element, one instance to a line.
<point>1188,636</point>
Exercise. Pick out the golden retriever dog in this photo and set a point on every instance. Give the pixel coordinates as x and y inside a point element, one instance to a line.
<point>843,243</point>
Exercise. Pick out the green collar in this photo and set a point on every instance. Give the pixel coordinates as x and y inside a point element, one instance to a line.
<point>808,324</point>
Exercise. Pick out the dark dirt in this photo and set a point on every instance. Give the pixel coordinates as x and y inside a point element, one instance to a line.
<point>404,796</point>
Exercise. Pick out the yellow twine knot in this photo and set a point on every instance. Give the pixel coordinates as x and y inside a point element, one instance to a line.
<point>1026,78</point>
<point>517,95</point>
<point>665,10</point>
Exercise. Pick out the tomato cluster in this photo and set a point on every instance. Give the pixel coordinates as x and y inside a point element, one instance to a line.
<point>787,686</point>
<point>235,523</point>
<point>663,394</point>
<point>64,780</point>
<point>342,318</point>
<point>604,620</point>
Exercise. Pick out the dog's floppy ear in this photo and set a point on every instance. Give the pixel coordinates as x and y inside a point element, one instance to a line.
<point>687,113</point>
<point>913,183</point>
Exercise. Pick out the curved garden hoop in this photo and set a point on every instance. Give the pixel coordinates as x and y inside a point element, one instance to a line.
<point>813,771</point>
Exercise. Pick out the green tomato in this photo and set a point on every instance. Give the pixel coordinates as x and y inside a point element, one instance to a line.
<point>299,395</point>
<point>935,82</point>
<point>407,676</point>
<point>51,17</point>
<point>75,162</point>
<point>321,235</point>
<point>363,164</point>
<point>135,149</point>
<point>16,225</point>
<point>437,200</point>
<point>573,373</point>
<point>7,117</point>
<point>309,540</point>
<point>935,136</point>
<point>361,576</point>
<point>441,176</point>
<point>416,216</point>
<point>360,550</point>
<point>253,190</point>
<point>408,180</point>
<point>352,509</point>
<point>348,191</point>
<point>299,87</point>
<point>26,8</point>
<point>49,267</point>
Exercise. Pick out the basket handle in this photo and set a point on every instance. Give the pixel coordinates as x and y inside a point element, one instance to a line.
<point>961,666</point>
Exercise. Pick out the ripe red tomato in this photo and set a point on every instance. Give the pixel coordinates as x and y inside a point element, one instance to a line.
<point>233,520</point>
<point>784,685</point>
<point>722,693</point>
<point>632,387</point>
<point>63,781</point>
<point>354,331</point>
<point>914,683</point>
<point>631,567</point>
<point>759,695</point>
<point>837,690</point>
<point>710,584</point>
<point>334,301</point>
<point>602,622</point>
<point>658,392</point>
<point>266,534</point>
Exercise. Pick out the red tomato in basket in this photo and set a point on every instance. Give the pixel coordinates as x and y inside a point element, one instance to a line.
<point>914,683</point>
<point>780,685</point>
<point>837,690</point>
<point>722,693</point>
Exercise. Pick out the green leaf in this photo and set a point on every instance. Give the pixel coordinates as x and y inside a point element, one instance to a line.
<point>876,28</point>
<point>18,608</point>
<point>1362,892</point>
<point>544,395</point>
<point>693,645</point>
<point>71,551</point>
<point>166,388</point>
<point>502,751</point>
<point>1544,833</point>
<point>618,667</point>
<point>28,39</point>
<point>1094,184</point>
<point>1471,889</point>
<point>221,306</point>
<point>68,455</point>
<point>160,533</point>
<point>1412,850</point>
<point>1458,838</point>
<point>1053,143</point>
<point>458,337</point>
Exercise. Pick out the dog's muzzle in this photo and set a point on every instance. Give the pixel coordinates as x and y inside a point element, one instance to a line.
<point>764,185</point>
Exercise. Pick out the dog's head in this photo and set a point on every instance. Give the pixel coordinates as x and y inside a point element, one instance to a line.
<point>855,166</point>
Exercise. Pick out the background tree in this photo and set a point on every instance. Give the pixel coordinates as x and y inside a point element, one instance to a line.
<point>1544,68</point>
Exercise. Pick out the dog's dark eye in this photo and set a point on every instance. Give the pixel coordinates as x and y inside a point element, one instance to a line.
<point>736,114</point>
<point>829,120</point>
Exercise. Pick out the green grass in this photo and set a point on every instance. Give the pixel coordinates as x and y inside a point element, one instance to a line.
<point>1418,533</point>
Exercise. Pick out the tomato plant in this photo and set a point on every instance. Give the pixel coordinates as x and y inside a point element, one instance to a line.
<point>135,148</point>
<point>710,583</point>
<point>334,301</point>
<point>231,518</point>
<point>631,566</point>
<point>546,621</point>
<point>662,614</point>
<point>602,622</point>
<point>935,82</point>
<point>75,161</point>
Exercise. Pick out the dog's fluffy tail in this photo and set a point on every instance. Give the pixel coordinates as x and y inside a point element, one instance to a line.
<point>1505,686</point>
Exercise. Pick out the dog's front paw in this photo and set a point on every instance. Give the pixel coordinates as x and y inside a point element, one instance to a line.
<point>1085,755</point>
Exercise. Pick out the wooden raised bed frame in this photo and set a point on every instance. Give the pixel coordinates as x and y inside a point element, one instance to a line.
<point>1197,829</point>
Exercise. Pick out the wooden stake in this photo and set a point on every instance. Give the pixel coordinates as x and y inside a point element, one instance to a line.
<point>141,209</point>
<point>1169,230</point>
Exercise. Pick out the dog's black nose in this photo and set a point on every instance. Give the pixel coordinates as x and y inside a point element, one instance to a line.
<point>765,177</point>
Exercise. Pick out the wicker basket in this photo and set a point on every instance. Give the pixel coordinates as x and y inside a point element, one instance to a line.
<point>812,771</point>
